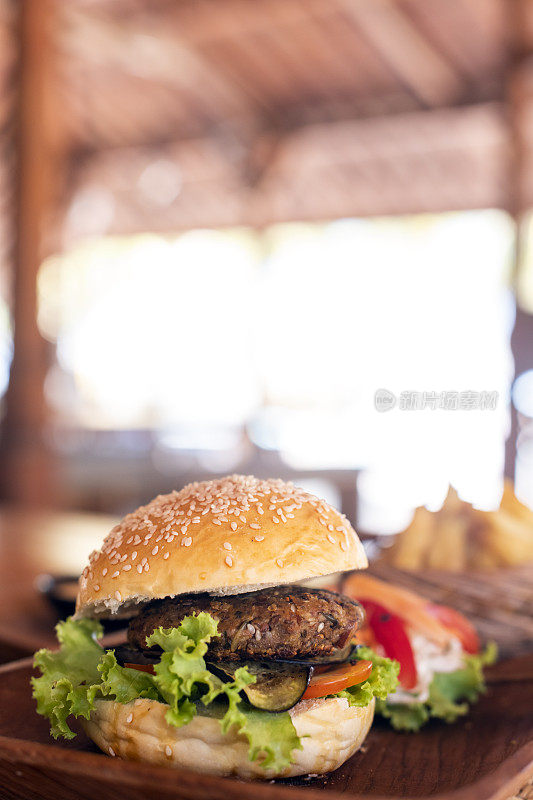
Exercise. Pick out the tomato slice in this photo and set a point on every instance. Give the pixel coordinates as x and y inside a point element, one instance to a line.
<point>390,633</point>
<point>335,680</point>
<point>457,624</point>
<point>141,667</point>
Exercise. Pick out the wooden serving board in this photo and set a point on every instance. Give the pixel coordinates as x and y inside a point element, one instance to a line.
<point>487,756</point>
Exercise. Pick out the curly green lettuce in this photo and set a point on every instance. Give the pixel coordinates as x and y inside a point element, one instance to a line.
<point>81,672</point>
<point>382,681</point>
<point>70,681</point>
<point>183,679</point>
<point>450,694</point>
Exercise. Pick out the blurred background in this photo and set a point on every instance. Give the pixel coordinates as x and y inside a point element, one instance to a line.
<point>285,237</point>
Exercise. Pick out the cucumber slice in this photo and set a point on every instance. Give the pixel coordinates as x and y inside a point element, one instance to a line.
<point>278,687</point>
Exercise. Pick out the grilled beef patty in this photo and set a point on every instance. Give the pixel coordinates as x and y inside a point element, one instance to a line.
<point>283,622</point>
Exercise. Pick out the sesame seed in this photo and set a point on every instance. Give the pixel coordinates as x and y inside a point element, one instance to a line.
<point>139,568</point>
<point>115,574</point>
<point>279,562</point>
<point>344,546</point>
<point>227,546</point>
<point>155,550</point>
<point>96,587</point>
<point>229,561</point>
<point>168,750</point>
<point>187,541</point>
<point>257,635</point>
<point>118,596</point>
<point>146,567</point>
<point>168,515</point>
<point>166,555</point>
<point>259,538</point>
<point>320,627</point>
<point>129,718</point>
<point>250,628</point>
<point>126,567</point>
<point>330,527</point>
<point>331,538</point>
<point>111,751</point>
<point>293,608</point>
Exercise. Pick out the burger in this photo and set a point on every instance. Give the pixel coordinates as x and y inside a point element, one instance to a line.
<point>231,664</point>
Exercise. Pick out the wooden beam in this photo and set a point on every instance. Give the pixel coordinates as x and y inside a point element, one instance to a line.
<point>423,161</point>
<point>27,474</point>
<point>519,100</point>
<point>399,43</point>
<point>165,54</point>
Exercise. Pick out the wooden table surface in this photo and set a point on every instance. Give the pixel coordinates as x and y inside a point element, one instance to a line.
<point>33,543</point>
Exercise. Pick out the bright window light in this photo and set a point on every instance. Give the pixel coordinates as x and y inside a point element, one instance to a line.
<point>154,332</point>
<point>417,304</point>
<point>291,331</point>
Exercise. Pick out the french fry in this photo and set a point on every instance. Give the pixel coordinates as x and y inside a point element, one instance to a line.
<point>452,503</point>
<point>483,560</point>
<point>411,547</point>
<point>459,537</point>
<point>448,548</point>
<point>512,505</point>
<point>508,538</point>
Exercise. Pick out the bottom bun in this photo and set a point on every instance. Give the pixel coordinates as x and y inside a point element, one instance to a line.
<point>138,731</point>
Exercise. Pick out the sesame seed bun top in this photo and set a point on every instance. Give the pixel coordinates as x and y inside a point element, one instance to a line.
<point>225,536</point>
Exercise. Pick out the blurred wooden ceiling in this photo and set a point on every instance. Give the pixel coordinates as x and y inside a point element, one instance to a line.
<point>145,73</point>
<point>165,115</point>
<point>280,109</point>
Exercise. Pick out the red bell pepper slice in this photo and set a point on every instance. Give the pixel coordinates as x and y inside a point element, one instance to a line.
<point>390,633</point>
<point>455,622</point>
